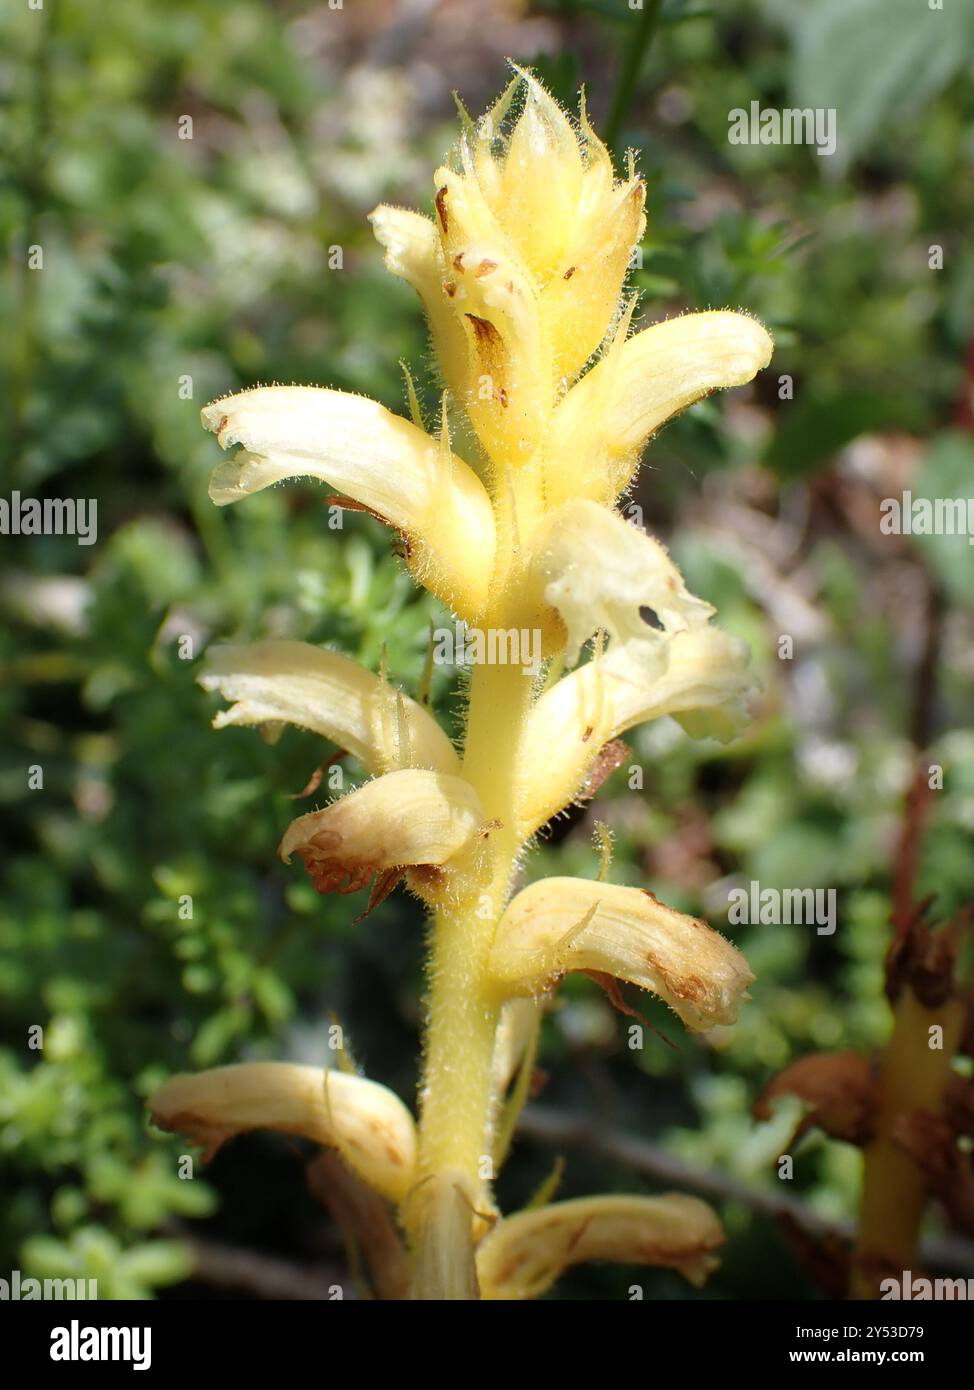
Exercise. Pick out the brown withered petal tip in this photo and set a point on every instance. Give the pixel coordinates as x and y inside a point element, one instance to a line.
<point>839,1088</point>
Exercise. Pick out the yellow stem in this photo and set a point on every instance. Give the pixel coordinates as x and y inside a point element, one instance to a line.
<point>914,1075</point>
<point>456,1122</point>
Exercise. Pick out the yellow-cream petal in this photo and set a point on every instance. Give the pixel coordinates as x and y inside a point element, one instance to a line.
<point>561,924</point>
<point>601,573</point>
<point>579,302</point>
<point>367,1123</point>
<point>332,695</point>
<point>540,184</point>
<point>526,1253</point>
<point>381,461</point>
<point>413,252</point>
<point>706,686</point>
<point>508,391</point>
<point>401,819</point>
<point>601,426</point>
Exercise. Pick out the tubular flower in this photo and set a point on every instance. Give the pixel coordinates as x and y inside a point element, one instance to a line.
<point>368,1125</point>
<point>296,683</point>
<point>528,1252</point>
<point>561,924</point>
<point>704,684</point>
<point>551,397</point>
<point>387,465</point>
<point>602,425</point>
<point>402,819</point>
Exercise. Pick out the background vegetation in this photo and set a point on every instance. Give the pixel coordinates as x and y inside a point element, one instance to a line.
<point>212,258</point>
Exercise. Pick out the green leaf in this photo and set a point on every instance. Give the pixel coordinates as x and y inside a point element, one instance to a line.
<point>948,472</point>
<point>876,62</point>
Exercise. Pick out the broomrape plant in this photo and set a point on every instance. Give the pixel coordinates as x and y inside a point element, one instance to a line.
<point>508,515</point>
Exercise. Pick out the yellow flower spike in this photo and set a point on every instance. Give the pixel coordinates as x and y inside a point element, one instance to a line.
<point>330,694</point>
<point>384,463</point>
<point>521,272</point>
<point>526,1253</point>
<point>561,924</point>
<point>705,686</point>
<point>601,426</point>
<point>367,1123</point>
<point>402,819</point>
<point>600,573</point>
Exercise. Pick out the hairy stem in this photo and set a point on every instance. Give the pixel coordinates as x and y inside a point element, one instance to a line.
<point>456,1125</point>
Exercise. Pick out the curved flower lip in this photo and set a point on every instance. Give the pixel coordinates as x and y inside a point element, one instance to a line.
<point>367,1123</point>
<point>704,683</point>
<point>402,819</point>
<point>527,1252</point>
<point>379,460</point>
<point>706,688</point>
<point>561,924</point>
<point>602,424</point>
<point>600,573</point>
<point>313,688</point>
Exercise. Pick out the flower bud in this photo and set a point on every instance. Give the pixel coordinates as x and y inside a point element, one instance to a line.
<point>532,244</point>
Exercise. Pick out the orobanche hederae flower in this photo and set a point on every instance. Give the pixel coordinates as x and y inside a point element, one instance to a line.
<point>507,509</point>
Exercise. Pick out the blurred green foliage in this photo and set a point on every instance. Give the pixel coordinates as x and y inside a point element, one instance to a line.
<point>176,269</point>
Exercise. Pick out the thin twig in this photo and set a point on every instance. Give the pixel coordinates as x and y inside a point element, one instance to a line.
<point>264,1276</point>
<point>555,1127</point>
